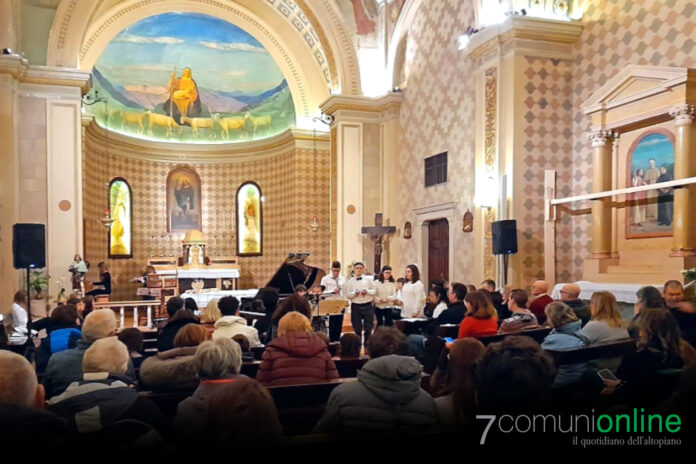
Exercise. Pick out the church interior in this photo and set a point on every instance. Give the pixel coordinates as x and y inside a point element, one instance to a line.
<point>216,147</point>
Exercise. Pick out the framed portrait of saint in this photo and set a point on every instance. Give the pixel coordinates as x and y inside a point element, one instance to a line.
<point>183,200</point>
<point>249,220</point>
<point>121,213</point>
<point>650,161</point>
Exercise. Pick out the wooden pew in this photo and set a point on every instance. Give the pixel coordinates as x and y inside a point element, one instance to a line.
<point>447,330</point>
<point>613,349</point>
<point>409,327</point>
<point>346,367</point>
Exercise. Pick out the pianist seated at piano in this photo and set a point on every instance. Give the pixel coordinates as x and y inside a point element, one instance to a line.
<point>294,302</point>
<point>104,284</point>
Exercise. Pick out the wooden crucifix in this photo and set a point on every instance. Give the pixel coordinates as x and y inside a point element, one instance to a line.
<point>376,234</point>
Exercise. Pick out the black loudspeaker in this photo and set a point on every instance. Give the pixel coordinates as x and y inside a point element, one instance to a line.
<point>504,237</point>
<point>29,245</point>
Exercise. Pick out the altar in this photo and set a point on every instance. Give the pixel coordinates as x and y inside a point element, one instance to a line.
<point>193,271</point>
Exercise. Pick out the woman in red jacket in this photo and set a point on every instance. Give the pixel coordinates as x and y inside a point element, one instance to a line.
<point>297,356</point>
<point>480,317</point>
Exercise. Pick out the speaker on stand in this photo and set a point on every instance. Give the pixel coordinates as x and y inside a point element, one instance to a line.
<point>29,252</point>
<point>504,241</point>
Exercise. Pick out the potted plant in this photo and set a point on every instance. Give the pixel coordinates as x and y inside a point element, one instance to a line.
<point>38,282</point>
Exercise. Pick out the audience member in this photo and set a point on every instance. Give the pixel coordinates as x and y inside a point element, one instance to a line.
<point>606,323</point>
<point>63,333</point>
<point>178,318</point>
<point>133,338</point>
<point>454,314</point>
<point>496,298</point>
<point>349,346</point>
<point>437,298</point>
<point>231,324</point>
<point>387,394</point>
<point>458,405</point>
<point>683,311</point>
<point>297,356</point>
<point>648,298</point>
<point>66,366</point>
<point>570,295</point>
<point>216,363</point>
<point>293,302</point>
<point>191,305</point>
<point>173,369</point>
<point>105,281</point>
<point>528,374</point>
<point>17,320</point>
<point>22,417</point>
<point>565,335</point>
<point>658,348</point>
<point>480,316</point>
<point>239,412</point>
<point>541,298</point>
<point>522,318</point>
<point>243,342</point>
<point>211,313</point>
<point>96,403</point>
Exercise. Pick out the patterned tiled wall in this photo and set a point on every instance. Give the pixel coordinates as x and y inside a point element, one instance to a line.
<point>287,183</point>
<point>438,115</point>
<point>548,145</point>
<point>618,33</point>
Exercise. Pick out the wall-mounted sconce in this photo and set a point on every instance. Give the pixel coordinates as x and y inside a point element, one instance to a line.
<point>487,192</point>
<point>314,224</point>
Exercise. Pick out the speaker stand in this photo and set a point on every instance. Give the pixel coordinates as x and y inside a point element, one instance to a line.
<point>505,268</point>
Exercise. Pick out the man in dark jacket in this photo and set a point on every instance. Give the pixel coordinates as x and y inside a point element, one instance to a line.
<point>570,295</point>
<point>386,395</point>
<point>104,397</point>
<point>455,312</point>
<point>22,417</point>
<point>178,317</point>
<point>66,366</point>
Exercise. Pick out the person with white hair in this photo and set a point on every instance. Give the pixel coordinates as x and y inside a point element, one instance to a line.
<point>103,396</point>
<point>217,362</point>
<point>66,366</point>
<point>22,417</point>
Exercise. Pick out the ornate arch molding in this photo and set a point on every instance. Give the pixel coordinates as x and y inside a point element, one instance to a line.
<point>403,24</point>
<point>337,40</point>
<point>77,39</point>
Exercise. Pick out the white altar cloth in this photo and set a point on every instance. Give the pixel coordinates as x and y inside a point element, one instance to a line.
<point>622,292</point>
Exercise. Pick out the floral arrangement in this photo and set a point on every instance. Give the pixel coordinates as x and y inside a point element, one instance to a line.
<point>38,281</point>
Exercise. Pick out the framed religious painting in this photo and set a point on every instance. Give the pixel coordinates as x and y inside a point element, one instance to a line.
<point>183,200</point>
<point>650,161</point>
<point>249,220</point>
<point>120,211</point>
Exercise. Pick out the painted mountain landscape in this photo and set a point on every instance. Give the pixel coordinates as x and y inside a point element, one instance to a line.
<point>186,77</point>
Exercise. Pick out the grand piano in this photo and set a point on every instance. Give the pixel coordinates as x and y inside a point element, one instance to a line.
<point>294,272</point>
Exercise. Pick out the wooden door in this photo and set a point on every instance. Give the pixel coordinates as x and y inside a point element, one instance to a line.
<point>438,251</point>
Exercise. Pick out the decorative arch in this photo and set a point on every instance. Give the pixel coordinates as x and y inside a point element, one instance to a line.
<point>120,209</point>
<point>249,203</point>
<point>305,55</point>
<point>398,42</point>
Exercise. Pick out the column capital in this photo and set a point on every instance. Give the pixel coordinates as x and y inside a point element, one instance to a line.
<point>600,137</point>
<point>683,114</point>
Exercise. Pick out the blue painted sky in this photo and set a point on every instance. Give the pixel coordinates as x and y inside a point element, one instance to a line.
<point>656,146</point>
<point>221,56</point>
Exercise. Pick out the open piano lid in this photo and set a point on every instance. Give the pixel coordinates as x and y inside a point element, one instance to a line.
<point>294,272</point>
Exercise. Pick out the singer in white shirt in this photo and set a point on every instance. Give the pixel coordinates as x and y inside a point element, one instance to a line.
<point>360,291</point>
<point>334,282</point>
<point>412,294</point>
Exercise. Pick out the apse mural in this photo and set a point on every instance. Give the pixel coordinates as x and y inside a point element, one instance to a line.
<point>650,161</point>
<point>188,77</point>
<point>121,211</point>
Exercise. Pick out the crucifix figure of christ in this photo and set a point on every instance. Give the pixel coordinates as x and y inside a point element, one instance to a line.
<point>377,233</point>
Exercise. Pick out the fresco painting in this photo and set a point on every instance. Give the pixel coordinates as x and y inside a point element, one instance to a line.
<point>651,160</point>
<point>188,77</point>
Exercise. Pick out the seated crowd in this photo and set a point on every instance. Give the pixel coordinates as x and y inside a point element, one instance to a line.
<point>91,384</point>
